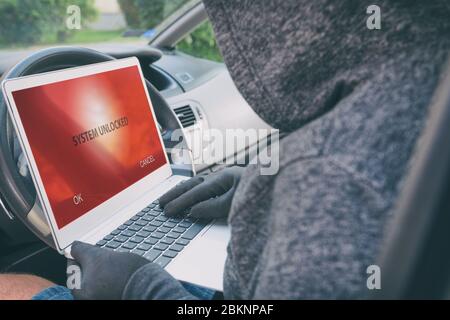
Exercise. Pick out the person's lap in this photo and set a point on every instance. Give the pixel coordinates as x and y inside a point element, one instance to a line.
<point>54,293</point>
<point>62,293</point>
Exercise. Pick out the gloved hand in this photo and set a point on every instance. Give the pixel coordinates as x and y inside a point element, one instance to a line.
<point>104,273</point>
<point>208,196</point>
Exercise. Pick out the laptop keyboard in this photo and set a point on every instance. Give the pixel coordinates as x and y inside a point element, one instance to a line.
<point>153,235</point>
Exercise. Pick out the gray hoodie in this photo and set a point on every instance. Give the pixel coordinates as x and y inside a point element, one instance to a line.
<point>353,102</point>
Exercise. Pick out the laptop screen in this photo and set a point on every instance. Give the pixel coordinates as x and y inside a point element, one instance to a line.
<point>91,137</point>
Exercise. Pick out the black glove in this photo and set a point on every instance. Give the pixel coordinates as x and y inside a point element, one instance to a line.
<point>208,196</point>
<point>104,273</point>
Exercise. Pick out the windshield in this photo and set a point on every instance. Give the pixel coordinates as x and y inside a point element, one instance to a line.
<point>29,24</point>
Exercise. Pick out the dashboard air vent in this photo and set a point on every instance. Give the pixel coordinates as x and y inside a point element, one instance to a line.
<point>186,116</point>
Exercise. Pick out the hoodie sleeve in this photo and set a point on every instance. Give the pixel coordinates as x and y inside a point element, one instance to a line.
<point>326,229</point>
<point>151,282</point>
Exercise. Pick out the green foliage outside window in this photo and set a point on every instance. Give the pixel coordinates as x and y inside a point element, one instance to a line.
<point>201,43</point>
<point>30,21</point>
<point>147,14</point>
<point>24,23</point>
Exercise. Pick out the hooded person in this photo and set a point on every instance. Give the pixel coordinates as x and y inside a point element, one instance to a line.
<point>352,101</point>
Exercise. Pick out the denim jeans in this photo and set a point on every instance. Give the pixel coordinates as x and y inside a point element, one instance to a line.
<point>62,293</point>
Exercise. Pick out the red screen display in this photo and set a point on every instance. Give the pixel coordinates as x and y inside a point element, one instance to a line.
<point>91,137</point>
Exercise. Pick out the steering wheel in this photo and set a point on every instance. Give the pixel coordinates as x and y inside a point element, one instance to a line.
<point>17,191</point>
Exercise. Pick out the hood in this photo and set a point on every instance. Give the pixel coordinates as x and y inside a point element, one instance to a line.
<point>294,60</point>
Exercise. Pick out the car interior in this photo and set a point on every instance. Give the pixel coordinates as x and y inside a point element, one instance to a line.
<point>196,93</point>
<point>184,90</point>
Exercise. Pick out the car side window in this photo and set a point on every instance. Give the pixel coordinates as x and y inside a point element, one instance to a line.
<point>201,43</point>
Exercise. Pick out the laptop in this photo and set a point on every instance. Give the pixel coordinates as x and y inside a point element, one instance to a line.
<point>99,165</point>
